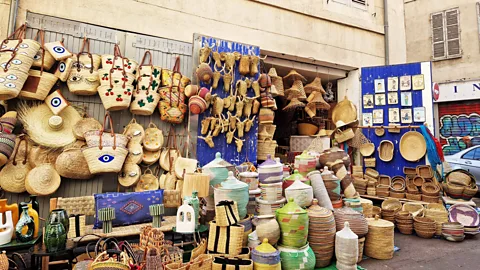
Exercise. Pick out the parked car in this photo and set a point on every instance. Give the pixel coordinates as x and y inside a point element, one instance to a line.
<point>468,159</point>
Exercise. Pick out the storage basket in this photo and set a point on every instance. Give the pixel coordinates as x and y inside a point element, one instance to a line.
<point>425,171</point>
<point>202,262</point>
<point>271,192</point>
<point>222,263</point>
<point>413,197</point>
<point>459,177</point>
<point>398,195</point>
<point>293,222</point>
<point>430,199</point>
<point>105,159</point>
<point>226,213</point>
<point>265,148</point>
<point>391,204</point>
<point>265,207</point>
<point>151,237</point>
<point>372,173</point>
<point>146,96</point>
<point>430,189</point>
<point>379,240</point>
<point>226,240</point>
<point>409,172</point>
<point>38,85</point>
<point>361,245</point>
<point>369,162</point>
<point>297,258</point>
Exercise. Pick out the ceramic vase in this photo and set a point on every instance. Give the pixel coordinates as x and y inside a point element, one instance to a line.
<point>35,205</point>
<point>25,226</point>
<point>59,216</point>
<point>55,237</point>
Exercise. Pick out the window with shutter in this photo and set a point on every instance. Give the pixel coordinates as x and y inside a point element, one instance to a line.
<point>362,4</point>
<point>445,34</point>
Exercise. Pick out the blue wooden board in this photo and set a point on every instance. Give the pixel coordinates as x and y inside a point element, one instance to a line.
<point>369,75</point>
<point>205,154</point>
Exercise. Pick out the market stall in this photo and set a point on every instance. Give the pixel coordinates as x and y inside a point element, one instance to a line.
<point>234,201</point>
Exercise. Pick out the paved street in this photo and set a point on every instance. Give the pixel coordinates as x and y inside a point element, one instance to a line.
<point>438,254</point>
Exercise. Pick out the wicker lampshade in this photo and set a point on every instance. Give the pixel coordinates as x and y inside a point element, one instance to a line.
<point>196,182</point>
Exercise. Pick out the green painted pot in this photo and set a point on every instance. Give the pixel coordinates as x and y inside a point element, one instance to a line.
<point>55,237</point>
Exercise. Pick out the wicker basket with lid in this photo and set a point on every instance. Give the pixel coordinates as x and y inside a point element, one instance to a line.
<point>379,240</point>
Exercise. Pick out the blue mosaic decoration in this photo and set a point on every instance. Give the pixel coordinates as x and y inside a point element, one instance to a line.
<point>130,208</point>
<point>106,158</point>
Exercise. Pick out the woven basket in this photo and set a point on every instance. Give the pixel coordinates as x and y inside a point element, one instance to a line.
<point>15,76</point>
<point>459,177</point>
<point>105,160</point>
<point>218,239</point>
<point>398,195</point>
<point>202,262</point>
<point>391,204</point>
<point>222,263</point>
<point>110,264</point>
<point>430,199</point>
<point>376,211</point>
<point>199,250</point>
<point>413,208</point>
<point>369,162</point>
<point>151,237</point>
<point>146,93</point>
<point>408,171</point>
<point>38,85</point>
<point>469,192</point>
<point>63,69</point>
<point>265,148</point>
<point>425,234</point>
<point>379,240</point>
<point>264,207</point>
<point>271,192</point>
<point>371,172</point>
<point>226,213</point>
<point>425,171</point>
<point>244,254</point>
<point>71,163</point>
<point>413,197</point>
<point>297,258</point>
<point>83,82</point>
<point>430,189</point>
<point>115,98</point>
<point>418,181</point>
<point>385,150</point>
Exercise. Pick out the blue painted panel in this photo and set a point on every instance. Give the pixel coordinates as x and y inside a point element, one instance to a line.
<point>205,154</point>
<point>369,75</point>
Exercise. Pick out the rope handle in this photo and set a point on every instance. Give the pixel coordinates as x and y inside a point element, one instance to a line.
<point>176,69</point>
<point>150,63</point>
<point>112,69</point>
<point>107,115</point>
<point>148,171</point>
<point>41,34</point>
<point>22,139</point>
<point>19,33</point>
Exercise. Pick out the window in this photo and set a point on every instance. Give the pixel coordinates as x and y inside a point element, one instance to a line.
<point>472,154</point>
<point>362,4</point>
<point>445,34</point>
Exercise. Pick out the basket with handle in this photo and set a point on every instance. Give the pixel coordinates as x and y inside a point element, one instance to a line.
<point>105,138</point>
<point>172,106</point>
<point>105,158</point>
<point>43,59</point>
<point>83,78</point>
<point>110,264</point>
<point>17,55</point>
<point>146,96</point>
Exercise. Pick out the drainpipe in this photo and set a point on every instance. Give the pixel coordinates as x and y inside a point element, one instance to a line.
<point>385,27</point>
<point>12,17</point>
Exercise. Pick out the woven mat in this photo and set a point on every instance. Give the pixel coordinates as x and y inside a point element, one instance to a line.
<point>123,231</point>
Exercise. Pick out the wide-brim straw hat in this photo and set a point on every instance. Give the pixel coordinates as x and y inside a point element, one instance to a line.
<point>37,121</point>
<point>317,99</point>
<point>315,85</point>
<point>129,175</point>
<point>322,133</point>
<point>296,90</point>
<point>345,110</point>
<point>412,146</point>
<point>385,150</point>
<point>293,75</point>
<point>84,125</point>
<point>293,105</point>
<point>43,180</point>
<point>340,124</point>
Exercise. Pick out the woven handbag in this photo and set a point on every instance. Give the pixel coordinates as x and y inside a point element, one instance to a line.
<point>173,107</point>
<point>146,96</point>
<point>226,213</point>
<point>100,263</point>
<point>105,156</point>
<point>103,137</point>
<point>222,263</point>
<point>226,240</point>
<point>14,173</point>
<point>202,262</point>
<point>16,54</point>
<point>200,249</point>
<point>43,58</point>
<point>83,78</point>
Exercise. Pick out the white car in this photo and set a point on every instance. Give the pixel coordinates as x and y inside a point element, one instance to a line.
<point>468,159</point>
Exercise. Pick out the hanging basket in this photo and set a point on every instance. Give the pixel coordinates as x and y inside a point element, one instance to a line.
<point>38,85</point>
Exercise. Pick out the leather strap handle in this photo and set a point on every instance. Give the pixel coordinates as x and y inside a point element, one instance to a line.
<point>107,116</point>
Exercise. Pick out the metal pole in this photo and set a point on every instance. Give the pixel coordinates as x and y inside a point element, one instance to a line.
<point>385,27</point>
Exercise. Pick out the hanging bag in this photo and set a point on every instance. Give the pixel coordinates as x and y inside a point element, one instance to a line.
<point>12,175</point>
<point>153,140</point>
<point>116,85</point>
<point>39,83</point>
<point>7,144</point>
<point>170,153</point>
<point>57,50</point>
<point>148,181</point>
<point>109,156</point>
<point>72,164</point>
<point>146,95</point>
<point>16,58</point>
<point>83,78</point>
<point>173,107</point>
<point>43,58</point>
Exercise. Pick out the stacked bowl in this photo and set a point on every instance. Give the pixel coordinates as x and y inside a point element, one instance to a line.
<point>453,231</point>
<point>404,222</point>
<point>389,208</point>
<point>438,213</point>
<point>358,223</point>
<point>424,227</point>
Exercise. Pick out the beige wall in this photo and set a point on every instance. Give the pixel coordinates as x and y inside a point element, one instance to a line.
<point>333,32</point>
<point>4,15</point>
<point>419,47</point>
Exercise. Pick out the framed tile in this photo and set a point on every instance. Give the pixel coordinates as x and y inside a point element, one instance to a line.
<point>367,119</point>
<point>406,99</point>
<point>419,114</point>
<point>392,98</point>
<point>418,82</point>
<point>392,84</point>
<point>368,101</point>
<point>378,116</point>
<point>380,99</point>
<point>405,83</point>
<point>393,115</point>
<point>406,116</point>
<point>379,86</point>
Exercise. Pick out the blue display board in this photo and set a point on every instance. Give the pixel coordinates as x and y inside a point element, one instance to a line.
<point>205,154</point>
<point>371,77</point>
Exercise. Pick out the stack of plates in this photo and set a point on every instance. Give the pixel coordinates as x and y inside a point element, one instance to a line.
<point>453,231</point>
<point>404,222</point>
<point>465,215</point>
<point>424,227</point>
<point>358,223</point>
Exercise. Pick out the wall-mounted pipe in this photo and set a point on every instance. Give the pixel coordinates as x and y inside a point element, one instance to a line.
<point>386,37</point>
<point>12,16</point>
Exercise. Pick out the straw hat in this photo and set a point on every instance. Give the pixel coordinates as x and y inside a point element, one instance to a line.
<point>293,75</point>
<point>84,125</point>
<point>315,86</point>
<point>385,150</point>
<point>47,129</point>
<point>277,81</point>
<point>129,175</point>
<point>294,104</point>
<point>317,99</point>
<point>295,90</point>
<point>72,164</point>
<point>340,124</point>
<point>322,133</point>
<point>345,110</point>
<point>43,180</point>
<point>412,146</point>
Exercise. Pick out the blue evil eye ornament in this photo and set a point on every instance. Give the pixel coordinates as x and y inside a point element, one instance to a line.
<point>106,158</point>
<point>55,102</point>
<point>59,49</point>
<point>62,66</point>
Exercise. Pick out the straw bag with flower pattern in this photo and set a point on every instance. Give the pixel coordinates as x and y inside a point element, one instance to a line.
<point>153,139</point>
<point>146,96</point>
<point>173,107</point>
<point>12,176</point>
<point>148,181</point>
<point>83,78</point>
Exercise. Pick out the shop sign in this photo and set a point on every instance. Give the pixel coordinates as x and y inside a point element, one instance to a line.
<point>456,91</point>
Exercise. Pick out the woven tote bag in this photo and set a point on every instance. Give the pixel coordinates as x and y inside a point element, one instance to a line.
<point>172,106</point>
<point>13,174</point>
<point>146,96</point>
<point>83,78</point>
<point>43,58</point>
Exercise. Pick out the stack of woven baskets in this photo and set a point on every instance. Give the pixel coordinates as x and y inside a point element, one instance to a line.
<point>404,222</point>
<point>424,227</point>
<point>371,176</point>
<point>389,208</point>
<point>359,182</point>
<point>321,233</point>
<point>397,188</point>
<point>453,231</point>
<point>358,223</point>
<point>438,213</point>
<point>383,187</point>
<point>460,184</point>
<point>421,184</point>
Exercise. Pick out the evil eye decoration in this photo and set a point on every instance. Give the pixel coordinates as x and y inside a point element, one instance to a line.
<point>4,65</point>
<point>59,49</point>
<point>62,67</point>
<point>23,46</point>
<point>88,66</point>
<point>12,77</point>
<point>55,102</point>
<point>76,78</point>
<point>10,85</point>
<point>38,56</point>
<point>106,158</point>
<point>16,62</point>
<point>2,80</point>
